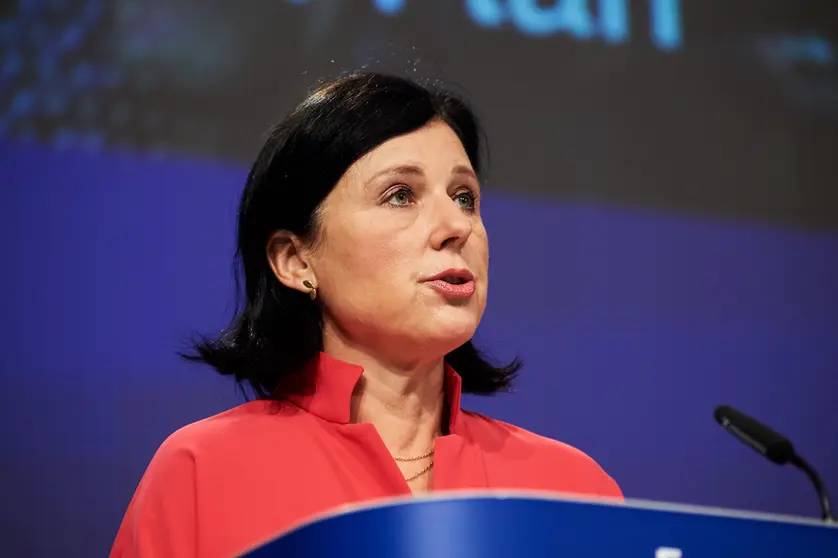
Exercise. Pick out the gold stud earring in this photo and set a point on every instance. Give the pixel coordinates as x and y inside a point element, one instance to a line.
<point>312,292</point>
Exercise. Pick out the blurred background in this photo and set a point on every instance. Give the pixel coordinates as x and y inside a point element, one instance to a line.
<point>662,205</point>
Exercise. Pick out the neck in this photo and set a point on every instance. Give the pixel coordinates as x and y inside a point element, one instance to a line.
<point>404,401</point>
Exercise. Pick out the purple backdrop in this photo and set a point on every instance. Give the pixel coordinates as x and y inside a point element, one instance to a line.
<point>633,326</point>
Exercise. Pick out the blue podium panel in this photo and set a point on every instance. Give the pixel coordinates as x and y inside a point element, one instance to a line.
<point>526,525</point>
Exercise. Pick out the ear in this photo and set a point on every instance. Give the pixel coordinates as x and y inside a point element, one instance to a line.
<point>288,260</point>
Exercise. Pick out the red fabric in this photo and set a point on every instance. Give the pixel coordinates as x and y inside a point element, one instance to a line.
<point>219,486</point>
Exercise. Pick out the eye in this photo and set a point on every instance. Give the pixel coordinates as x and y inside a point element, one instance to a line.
<point>400,197</point>
<point>466,200</point>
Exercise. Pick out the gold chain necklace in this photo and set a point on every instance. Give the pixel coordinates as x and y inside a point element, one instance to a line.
<point>428,453</point>
<point>420,473</point>
<point>427,467</point>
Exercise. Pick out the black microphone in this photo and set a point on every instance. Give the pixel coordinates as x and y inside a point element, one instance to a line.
<point>773,446</point>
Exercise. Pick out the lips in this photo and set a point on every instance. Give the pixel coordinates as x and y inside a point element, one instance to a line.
<point>453,283</point>
<point>453,276</point>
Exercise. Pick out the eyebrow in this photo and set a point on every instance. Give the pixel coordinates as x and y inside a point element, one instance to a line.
<point>416,170</point>
<point>398,169</point>
<point>462,169</point>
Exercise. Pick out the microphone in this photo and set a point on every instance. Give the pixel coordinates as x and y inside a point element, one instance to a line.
<point>773,446</point>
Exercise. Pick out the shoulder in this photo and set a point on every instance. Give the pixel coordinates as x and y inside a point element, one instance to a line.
<point>162,516</point>
<point>218,435</point>
<point>551,463</point>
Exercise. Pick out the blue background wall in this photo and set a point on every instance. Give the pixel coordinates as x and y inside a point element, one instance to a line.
<point>638,299</point>
<point>633,326</point>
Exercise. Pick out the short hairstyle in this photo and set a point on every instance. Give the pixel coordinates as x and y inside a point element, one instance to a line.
<point>277,330</point>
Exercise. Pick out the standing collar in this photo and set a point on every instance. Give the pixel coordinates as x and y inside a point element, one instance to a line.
<point>325,385</point>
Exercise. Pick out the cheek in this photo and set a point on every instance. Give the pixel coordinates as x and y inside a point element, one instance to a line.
<point>364,254</point>
<point>480,247</point>
<point>480,264</point>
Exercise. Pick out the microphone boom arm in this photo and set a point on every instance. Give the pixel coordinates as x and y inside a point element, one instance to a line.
<point>823,495</point>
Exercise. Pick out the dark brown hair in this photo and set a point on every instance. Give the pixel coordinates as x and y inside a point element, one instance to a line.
<point>277,330</point>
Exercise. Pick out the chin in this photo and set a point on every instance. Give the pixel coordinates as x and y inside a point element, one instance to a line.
<point>450,334</point>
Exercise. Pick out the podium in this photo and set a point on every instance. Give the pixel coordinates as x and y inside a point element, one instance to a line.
<point>528,525</point>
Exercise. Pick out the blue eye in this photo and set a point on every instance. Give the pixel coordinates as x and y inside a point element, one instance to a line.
<point>400,197</point>
<point>466,200</point>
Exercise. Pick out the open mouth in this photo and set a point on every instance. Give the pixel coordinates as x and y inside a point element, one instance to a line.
<point>454,280</point>
<point>453,276</point>
<point>453,283</point>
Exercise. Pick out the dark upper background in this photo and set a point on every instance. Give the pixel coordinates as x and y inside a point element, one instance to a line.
<point>735,116</point>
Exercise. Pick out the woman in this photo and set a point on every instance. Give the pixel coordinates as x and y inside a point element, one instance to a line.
<point>365,266</point>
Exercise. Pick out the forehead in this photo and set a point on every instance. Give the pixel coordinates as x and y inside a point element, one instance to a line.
<point>435,145</point>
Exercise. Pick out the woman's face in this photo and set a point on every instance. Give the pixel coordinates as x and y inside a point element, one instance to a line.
<point>402,262</point>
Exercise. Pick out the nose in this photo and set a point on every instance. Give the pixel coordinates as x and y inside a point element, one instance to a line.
<point>451,224</point>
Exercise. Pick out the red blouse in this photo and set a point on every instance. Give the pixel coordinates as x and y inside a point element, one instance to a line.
<point>217,487</point>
